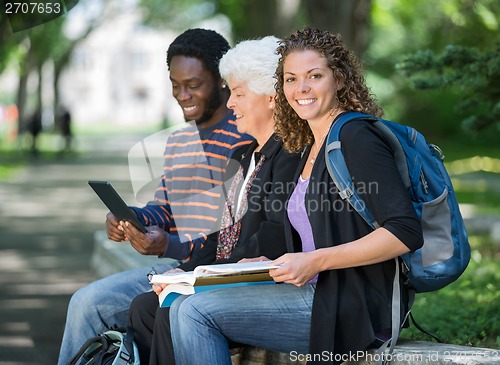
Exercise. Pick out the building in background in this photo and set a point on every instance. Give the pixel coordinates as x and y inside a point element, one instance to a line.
<point>119,75</point>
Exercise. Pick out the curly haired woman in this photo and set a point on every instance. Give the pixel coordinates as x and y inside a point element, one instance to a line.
<point>338,276</point>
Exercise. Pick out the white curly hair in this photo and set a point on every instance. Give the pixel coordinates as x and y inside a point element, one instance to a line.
<point>252,62</point>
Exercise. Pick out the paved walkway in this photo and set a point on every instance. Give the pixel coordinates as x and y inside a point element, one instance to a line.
<point>48,216</point>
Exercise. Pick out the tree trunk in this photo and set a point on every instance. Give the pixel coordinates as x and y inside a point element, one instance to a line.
<point>267,17</point>
<point>22,90</point>
<point>350,18</point>
<point>56,103</point>
<point>60,64</point>
<point>260,17</point>
<point>39,90</point>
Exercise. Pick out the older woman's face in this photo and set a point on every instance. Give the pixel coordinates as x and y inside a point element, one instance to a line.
<point>309,85</point>
<point>253,112</point>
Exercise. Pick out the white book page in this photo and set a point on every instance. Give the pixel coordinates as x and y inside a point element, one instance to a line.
<point>174,278</point>
<point>181,289</point>
<point>189,277</point>
<point>237,268</point>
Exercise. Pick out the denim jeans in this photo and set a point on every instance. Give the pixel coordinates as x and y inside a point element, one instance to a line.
<point>100,305</point>
<point>276,317</point>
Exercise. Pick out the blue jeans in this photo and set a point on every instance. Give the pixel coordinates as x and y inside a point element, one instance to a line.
<point>100,305</point>
<point>276,317</point>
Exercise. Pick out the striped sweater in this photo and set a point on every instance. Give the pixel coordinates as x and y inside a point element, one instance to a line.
<point>188,201</point>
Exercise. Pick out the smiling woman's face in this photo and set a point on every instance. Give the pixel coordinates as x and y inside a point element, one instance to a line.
<point>309,85</point>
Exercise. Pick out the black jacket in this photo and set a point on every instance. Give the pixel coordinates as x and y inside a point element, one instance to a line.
<point>262,231</point>
<point>352,306</point>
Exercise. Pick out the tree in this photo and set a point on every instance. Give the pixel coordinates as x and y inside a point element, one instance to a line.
<point>350,18</point>
<point>402,28</point>
<point>47,42</point>
<point>40,43</point>
<point>258,18</point>
<point>476,74</point>
<point>8,44</point>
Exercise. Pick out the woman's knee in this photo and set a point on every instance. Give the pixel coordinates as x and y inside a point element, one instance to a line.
<point>174,307</point>
<point>192,309</point>
<point>147,300</point>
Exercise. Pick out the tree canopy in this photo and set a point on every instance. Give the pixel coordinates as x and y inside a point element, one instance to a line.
<point>415,50</point>
<point>474,73</point>
<point>431,63</point>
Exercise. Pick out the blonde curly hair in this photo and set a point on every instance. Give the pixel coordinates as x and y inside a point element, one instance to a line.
<point>346,67</point>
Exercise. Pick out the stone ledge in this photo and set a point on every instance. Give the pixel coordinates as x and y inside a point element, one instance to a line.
<point>110,257</point>
<point>406,353</point>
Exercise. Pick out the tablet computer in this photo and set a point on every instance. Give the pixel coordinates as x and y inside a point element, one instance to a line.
<point>115,203</point>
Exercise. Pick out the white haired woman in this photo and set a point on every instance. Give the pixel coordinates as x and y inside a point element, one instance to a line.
<point>257,194</point>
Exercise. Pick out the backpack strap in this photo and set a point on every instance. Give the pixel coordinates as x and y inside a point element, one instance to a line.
<point>128,342</point>
<point>398,152</point>
<point>125,337</point>
<point>337,168</point>
<point>339,172</point>
<point>91,341</point>
<point>395,320</point>
<point>340,175</point>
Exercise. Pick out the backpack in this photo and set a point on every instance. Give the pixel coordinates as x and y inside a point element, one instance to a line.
<point>446,251</point>
<point>110,348</point>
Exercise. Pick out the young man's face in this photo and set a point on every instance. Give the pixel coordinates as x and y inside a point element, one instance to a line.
<point>195,89</point>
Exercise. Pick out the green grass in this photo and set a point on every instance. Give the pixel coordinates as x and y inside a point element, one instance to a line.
<point>464,146</point>
<point>11,160</point>
<point>7,170</point>
<point>480,157</point>
<point>103,129</point>
<point>15,155</point>
<point>486,202</point>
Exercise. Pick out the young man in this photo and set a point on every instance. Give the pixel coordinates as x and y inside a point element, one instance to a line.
<point>185,205</point>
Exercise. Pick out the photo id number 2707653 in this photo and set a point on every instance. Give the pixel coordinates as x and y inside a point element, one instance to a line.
<point>32,8</point>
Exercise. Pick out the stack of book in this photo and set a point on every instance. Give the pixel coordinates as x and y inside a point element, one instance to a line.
<point>209,277</point>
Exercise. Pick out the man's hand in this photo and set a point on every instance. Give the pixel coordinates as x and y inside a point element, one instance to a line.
<point>114,229</point>
<point>154,242</point>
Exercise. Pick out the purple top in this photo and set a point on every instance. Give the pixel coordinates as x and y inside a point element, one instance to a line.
<point>298,218</point>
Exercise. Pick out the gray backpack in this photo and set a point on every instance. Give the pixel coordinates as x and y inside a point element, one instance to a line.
<point>110,348</point>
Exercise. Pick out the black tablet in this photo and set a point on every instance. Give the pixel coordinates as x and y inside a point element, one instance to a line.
<point>115,203</point>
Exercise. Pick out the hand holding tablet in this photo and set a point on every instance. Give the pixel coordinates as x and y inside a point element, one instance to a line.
<point>115,203</point>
